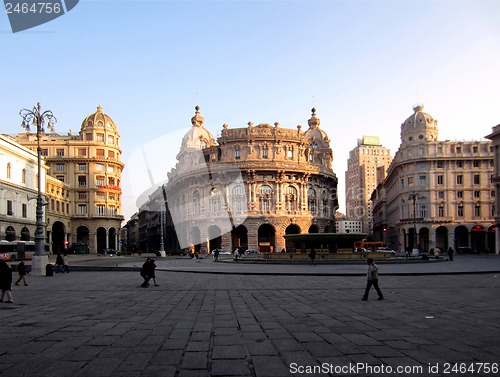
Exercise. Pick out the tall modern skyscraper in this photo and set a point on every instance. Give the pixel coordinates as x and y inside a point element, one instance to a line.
<point>365,161</point>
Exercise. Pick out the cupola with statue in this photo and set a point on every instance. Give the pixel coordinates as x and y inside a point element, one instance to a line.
<point>419,128</point>
<point>318,142</point>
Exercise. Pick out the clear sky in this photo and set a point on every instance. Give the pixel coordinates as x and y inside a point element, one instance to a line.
<point>362,64</point>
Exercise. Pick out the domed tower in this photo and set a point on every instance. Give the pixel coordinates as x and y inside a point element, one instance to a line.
<point>97,157</point>
<point>194,142</point>
<point>99,127</point>
<point>319,151</point>
<point>419,128</point>
<point>198,137</point>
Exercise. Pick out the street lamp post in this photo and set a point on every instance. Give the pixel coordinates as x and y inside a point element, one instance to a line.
<point>162,219</point>
<point>36,118</point>
<point>413,196</point>
<point>162,244</point>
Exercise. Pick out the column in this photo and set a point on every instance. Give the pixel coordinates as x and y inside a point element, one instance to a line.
<point>497,239</point>
<point>227,242</point>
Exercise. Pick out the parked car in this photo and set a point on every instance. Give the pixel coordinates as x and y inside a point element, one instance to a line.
<point>222,252</point>
<point>362,250</point>
<point>110,252</point>
<point>250,253</point>
<point>464,250</point>
<point>387,250</point>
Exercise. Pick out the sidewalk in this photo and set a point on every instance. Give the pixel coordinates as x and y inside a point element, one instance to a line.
<point>90,323</point>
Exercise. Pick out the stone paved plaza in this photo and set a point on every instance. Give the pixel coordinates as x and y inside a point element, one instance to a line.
<point>91,323</point>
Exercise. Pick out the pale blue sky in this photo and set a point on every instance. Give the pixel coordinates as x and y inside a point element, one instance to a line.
<point>361,64</point>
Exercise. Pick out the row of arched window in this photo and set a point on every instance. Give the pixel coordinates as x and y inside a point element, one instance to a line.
<point>9,173</point>
<point>265,195</point>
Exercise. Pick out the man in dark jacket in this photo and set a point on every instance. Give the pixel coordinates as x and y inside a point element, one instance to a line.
<point>5,282</point>
<point>22,270</point>
<point>148,272</point>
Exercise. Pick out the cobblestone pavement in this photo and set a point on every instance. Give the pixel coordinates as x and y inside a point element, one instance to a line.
<point>90,323</point>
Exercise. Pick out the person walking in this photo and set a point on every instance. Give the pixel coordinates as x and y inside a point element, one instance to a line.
<point>22,270</point>
<point>5,282</point>
<point>450,253</point>
<point>372,279</point>
<point>216,255</point>
<point>312,255</point>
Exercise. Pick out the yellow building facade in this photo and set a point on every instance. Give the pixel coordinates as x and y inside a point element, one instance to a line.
<point>84,192</point>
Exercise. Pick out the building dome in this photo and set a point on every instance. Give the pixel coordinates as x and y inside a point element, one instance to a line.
<point>419,127</point>
<point>198,137</point>
<point>315,134</point>
<point>98,119</point>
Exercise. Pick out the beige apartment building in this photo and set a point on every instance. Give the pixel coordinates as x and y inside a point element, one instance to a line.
<point>436,193</point>
<point>249,187</point>
<point>83,193</point>
<point>361,179</point>
<point>495,141</point>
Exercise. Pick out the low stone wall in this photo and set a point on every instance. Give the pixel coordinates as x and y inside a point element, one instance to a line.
<point>325,255</point>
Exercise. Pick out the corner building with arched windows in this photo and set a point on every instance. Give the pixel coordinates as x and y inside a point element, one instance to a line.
<point>436,193</point>
<point>83,191</point>
<point>251,186</point>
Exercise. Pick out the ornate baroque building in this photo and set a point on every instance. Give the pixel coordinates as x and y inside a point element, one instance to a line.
<point>436,193</point>
<point>250,187</point>
<point>83,193</point>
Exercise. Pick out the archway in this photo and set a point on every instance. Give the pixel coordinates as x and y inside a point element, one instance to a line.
<point>442,238</point>
<point>239,238</point>
<point>25,234</point>
<point>313,229</point>
<point>266,238</point>
<point>112,238</point>
<point>404,243</point>
<point>478,238</point>
<point>196,238</point>
<point>491,238</point>
<point>58,233</point>
<point>289,245</point>
<point>461,237</point>
<point>215,238</point>
<point>423,239</point>
<point>82,235</point>
<point>412,239</point>
<point>101,239</point>
<point>10,234</point>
